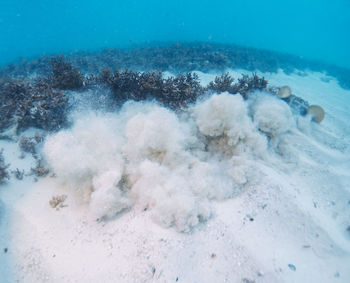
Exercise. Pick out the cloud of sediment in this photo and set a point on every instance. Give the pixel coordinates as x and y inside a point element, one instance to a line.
<point>173,165</point>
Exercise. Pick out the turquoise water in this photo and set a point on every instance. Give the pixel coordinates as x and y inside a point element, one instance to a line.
<point>314,29</point>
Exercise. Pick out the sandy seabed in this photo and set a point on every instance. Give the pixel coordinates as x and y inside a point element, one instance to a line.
<point>237,191</point>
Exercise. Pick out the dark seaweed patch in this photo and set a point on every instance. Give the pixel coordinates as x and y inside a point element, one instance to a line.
<point>42,102</point>
<point>29,144</point>
<point>19,174</point>
<point>244,85</point>
<point>40,170</point>
<point>3,168</point>
<point>174,57</point>
<point>173,92</point>
<point>64,75</point>
<point>25,104</point>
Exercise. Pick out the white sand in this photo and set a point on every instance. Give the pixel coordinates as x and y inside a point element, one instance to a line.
<point>292,213</point>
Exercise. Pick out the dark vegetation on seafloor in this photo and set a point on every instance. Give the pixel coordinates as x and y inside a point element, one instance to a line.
<point>40,169</point>
<point>37,93</point>
<point>3,168</point>
<point>43,101</point>
<point>25,103</point>
<point>179,58</point>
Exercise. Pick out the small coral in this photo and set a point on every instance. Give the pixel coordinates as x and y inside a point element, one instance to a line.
<point>58,201</point>
<point>27,144</point>
<point>40,170</point>
<point>18,174</point>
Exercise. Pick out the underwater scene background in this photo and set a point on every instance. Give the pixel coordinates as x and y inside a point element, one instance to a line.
<point>315,29</point>
<point>174,141</point>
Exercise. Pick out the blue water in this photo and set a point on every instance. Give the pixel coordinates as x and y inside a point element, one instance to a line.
<point>315,29</point>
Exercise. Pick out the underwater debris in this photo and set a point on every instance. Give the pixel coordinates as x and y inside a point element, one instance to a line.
<point>64,75</point>
<point>3,168</point>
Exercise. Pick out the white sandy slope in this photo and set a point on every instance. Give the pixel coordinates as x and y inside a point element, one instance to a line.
<point>286,223</point>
